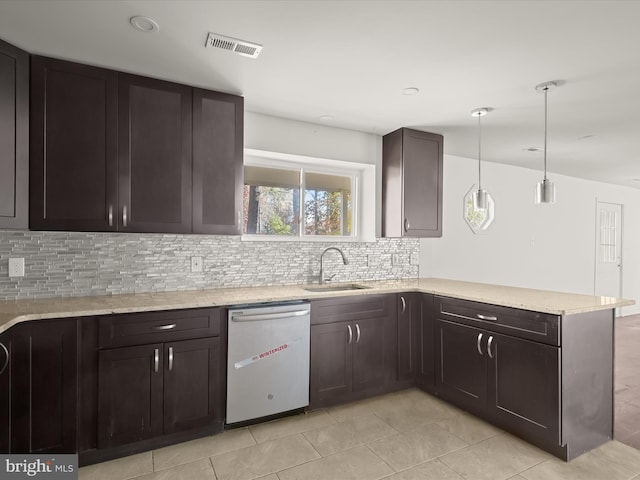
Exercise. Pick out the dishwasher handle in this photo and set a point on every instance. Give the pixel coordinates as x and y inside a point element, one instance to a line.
<point>268,316</point>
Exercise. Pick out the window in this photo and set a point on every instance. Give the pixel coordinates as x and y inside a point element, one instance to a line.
<point>294,197</point>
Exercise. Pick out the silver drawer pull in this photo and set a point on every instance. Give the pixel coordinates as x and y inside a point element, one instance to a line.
<point>350,335</point>
<point>357,333</point>
<point>404,304</point>
<point>6,357</point>
<point>156,359</point>
<point>478,344</point>
<point>171,358</point>
<point>166,327</point>
<point>489,346</point>
<point>491,318</point>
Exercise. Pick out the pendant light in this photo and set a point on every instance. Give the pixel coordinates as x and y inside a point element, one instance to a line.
<point>480,195</point>
<point>545,189</point>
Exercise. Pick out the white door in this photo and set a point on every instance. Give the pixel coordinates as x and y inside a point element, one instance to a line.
<point>608,277</point>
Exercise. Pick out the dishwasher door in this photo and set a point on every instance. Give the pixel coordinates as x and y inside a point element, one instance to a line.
<point>268,360</point>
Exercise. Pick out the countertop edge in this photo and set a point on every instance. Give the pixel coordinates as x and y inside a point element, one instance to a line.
<point>17,311</point>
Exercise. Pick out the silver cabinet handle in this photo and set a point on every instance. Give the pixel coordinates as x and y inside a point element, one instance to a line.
<point>357,333</point>
<point>478,344</point>
<point>407,225</point>
<point>491,318</point>
<point>350,335</point>
<point>110,215</point>
<point>6,357</point>
<point>166,327</point>
<point>124,216</point>
<point>489,346</point>
<point>170,358</point>
<point>404,304</point>
<point>156,359</point>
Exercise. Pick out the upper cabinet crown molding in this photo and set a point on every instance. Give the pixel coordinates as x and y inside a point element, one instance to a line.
<point>14,137</point>
<point>117,152</point>
<point>412,163</point>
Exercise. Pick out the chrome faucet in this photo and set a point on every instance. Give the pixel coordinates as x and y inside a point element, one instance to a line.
<point>344,261</point>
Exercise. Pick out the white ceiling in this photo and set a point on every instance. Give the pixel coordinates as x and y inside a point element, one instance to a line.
<point>352,60</point>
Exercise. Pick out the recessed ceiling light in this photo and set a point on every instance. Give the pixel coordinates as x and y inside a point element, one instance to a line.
<point>144,24</point>
<point>326,118</point>
<point>533,149</point>
<point>410,91</point>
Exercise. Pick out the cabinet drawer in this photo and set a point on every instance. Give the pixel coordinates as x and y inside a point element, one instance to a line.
<point>536,326</point>
<point>152,327</point>
<point>347,309</point>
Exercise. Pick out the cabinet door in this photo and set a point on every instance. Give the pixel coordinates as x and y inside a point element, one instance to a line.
<point>524,386</point>
<point>154,148</point>
<point>44,387</point>
<point>192,384</point>
<point>369,363</point>
<point>129,394</point>
<point>425,375</point>
<point>461,368</point>
<point>422,177</point>
<point>408,335</point>
<point>217,162</point>
<point>331,363</point>
<point>14,136</point>
<point>5,388</point>
<point>73,153</point>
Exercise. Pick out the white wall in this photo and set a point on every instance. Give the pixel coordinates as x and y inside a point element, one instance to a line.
<point>548,247</point>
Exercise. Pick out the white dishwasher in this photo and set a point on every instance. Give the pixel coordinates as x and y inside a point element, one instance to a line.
<point>268,360</point>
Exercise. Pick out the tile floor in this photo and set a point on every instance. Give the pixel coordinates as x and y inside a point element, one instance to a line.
<point>406,435</point>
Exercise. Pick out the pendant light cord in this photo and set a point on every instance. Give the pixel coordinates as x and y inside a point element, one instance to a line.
<point>479,150</point>
<point>546,89</point>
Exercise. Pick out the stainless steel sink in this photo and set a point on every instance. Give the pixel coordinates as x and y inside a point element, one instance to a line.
<point>335,288</point>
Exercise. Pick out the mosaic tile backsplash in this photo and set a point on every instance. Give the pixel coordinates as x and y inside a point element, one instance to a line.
<point>78,264</point>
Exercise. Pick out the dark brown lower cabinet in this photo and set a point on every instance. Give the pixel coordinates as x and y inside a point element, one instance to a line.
<point>415,340</point>
<point>44,386</point>
<point>511,380</point>
<point>408,336</point>
<point>352,359</point>
<point>5,389</point>
<point>150,390</point>
<point>425,374</point>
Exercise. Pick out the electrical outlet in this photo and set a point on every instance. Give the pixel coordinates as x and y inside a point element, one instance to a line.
<point>16,267</point>
<point>196,264</point>
<point>373,260</point>
<point>414,259</point>
<point>395,259</point>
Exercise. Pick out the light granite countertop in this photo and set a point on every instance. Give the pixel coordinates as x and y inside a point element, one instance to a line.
<point>16,311</point>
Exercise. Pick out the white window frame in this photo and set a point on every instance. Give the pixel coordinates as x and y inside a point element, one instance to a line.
<point>362,194</point>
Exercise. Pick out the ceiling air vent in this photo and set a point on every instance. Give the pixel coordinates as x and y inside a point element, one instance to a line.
<point>241,47</point>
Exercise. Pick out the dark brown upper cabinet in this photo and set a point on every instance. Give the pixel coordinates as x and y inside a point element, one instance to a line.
<point>412,184</point>
<point>73,164</point>
<point>218,125</point>
<point>14,137</point>
<point>154,149</point>
<point>117,152</point>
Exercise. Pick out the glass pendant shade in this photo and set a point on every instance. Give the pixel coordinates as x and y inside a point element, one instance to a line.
<point>545,192</point>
